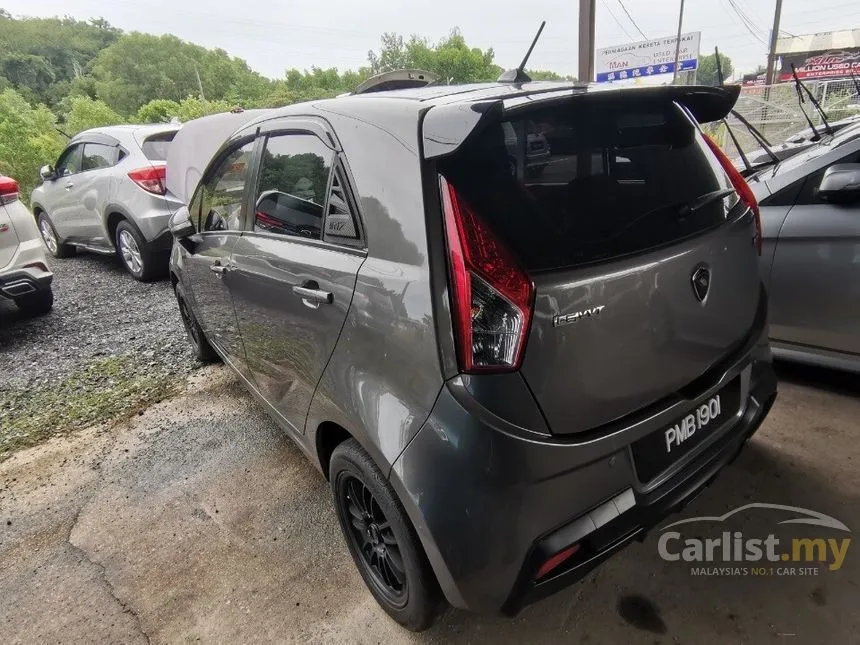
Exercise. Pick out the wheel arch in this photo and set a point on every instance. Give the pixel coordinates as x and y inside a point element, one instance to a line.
<point>329,435</point>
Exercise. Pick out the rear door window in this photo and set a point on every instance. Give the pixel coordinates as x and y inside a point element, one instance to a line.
<point>98,155</point>
<point>294,179</point>
<point>155,146</point>
<point>580,184</point>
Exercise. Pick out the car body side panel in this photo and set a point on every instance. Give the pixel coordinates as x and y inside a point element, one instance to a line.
<point>772,218</point>
<point>288,340</point>
<point>384,374</point>
<point>815,281</point>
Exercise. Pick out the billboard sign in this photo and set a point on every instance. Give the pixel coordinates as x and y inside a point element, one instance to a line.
<point>829,64</point>
<point>647,58</point>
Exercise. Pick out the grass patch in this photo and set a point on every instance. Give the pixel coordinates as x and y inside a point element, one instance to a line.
<point>106,389</point>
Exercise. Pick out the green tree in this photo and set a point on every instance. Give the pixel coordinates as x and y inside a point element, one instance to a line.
<point>84,113</point>
<point>450,58</point>
<point>41,57</point>
<point>138,68</point>
<point>157,111</point>
<point>706,74</point>
<point>28,139</point>
<point>546,75</point>
<point>163,110</point>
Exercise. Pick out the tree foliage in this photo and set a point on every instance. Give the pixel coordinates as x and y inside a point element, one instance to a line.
<point>706,74</point>
<point>40,57</point>
<point>450,58</point>
<point>28,139</point>
<point>140,67</point>
<point>83,113</point>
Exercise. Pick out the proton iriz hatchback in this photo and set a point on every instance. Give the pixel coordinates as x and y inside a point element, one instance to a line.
<point>506,369</point>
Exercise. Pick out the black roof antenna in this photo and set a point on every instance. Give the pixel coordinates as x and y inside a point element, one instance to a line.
<point>719,66</point>
<point>519,75</point>
<point>800,88</point>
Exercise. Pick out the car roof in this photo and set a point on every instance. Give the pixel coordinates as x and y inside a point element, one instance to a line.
<point>124,133</point>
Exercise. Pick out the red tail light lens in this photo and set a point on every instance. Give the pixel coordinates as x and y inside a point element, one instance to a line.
<point>491,295</point>
<point>8,190</point>
<point>151,179</point>
<point>740,185</point>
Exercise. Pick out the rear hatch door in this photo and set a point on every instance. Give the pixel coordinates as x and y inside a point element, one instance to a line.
<point>642,256</point>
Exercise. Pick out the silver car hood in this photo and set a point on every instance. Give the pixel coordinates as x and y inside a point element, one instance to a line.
<point>194,146</point>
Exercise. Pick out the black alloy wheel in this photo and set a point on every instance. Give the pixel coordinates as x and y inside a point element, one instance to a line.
<point>373,538</point>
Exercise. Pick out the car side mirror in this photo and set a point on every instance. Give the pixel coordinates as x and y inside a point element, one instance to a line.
<point>47,172</point>
<point>840,183</point>
<point>181,225</point>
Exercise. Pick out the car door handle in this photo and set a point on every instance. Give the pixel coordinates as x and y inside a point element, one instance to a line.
<point>69,186</point>
<point>312,295</point>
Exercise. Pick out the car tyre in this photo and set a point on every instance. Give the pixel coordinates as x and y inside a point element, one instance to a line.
<point>131,248</point>
<point>382,540</point>
<point>51,240</point>
<point>202,349</point>
<point>37,303</point>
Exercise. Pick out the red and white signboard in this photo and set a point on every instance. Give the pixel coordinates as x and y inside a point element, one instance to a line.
<point>832,64</point>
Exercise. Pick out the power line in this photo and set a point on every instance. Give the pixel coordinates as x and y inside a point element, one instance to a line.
<point>631,20</point>
<point>749,28</point>
<point>615,18</point>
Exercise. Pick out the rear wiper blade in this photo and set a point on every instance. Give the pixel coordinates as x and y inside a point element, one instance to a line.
<point>703,200</point>
<point>678,211</point>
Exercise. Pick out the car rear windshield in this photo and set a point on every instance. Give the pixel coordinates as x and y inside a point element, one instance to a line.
<point>574,185</point>
<point>155,146</point>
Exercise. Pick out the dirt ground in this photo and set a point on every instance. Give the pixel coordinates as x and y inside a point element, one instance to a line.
<point>199,521</point>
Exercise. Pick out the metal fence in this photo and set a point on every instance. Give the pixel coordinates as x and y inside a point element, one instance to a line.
<point>775,111</point>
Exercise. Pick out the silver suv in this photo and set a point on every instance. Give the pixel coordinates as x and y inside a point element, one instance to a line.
<point>106,194</point>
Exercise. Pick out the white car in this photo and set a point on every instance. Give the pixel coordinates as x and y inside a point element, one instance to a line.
<point>24,274</point>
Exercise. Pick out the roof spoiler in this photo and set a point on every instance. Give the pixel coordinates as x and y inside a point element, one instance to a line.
<point>397,79</point>
<point>448,126</point>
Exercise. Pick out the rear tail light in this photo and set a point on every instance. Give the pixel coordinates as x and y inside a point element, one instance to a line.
<point>491,295</point>
<point>741,186</point>
<point>151,179</point>
<point>8,190</point>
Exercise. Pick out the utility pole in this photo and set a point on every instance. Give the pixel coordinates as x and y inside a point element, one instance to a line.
<point>586,40</point>
<point>774,35</point>
<point>678,44</point>
<point>199,84</point>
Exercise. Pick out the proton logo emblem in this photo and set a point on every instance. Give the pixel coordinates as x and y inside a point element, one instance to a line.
<point>701,280</point>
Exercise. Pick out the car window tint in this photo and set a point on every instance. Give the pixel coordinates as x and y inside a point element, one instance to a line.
<point>294,175</point>
<point>155,146</point>
<point>218,203</point>
<point>579,184</point>
<point>809,192</point>
<point>70,161</point>
<point>97,155</point>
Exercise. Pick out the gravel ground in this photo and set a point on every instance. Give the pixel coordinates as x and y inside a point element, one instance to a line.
<point>106,331</point>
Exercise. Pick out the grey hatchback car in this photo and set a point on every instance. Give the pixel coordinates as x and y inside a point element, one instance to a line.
<point>106,194</point>
<point>506,376</point>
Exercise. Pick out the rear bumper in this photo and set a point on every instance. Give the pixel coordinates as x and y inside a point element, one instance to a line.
<point>21,282</point>
<point>491,505</point>
<point>162,243</point>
